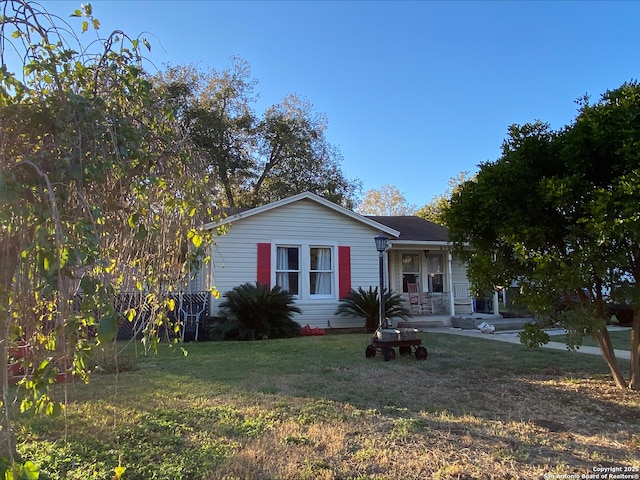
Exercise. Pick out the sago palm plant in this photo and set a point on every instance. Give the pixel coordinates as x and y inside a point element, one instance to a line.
<point>254,311</point>
<point>365,304</point>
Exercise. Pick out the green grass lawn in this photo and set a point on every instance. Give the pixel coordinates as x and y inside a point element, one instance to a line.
<point>621,339</point>
<point>316,408</point>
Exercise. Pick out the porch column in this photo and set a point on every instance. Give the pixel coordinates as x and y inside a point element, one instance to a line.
<point>452,303</point>
<point>496,303</point>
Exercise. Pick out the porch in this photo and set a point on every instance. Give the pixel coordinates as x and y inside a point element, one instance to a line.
<point>431,281</point>
<point>439,303</point>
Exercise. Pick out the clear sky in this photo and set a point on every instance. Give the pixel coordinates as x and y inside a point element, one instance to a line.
<point>415,92</point>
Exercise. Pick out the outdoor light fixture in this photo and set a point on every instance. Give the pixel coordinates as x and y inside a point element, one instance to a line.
<point>381,246</point>
<point>381,242</point>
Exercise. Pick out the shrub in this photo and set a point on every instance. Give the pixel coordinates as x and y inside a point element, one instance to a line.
<point>363,303</point>
<point>532,336</point>
<point>253,311</point>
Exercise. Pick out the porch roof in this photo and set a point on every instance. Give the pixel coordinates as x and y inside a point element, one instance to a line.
<point>414,229</point>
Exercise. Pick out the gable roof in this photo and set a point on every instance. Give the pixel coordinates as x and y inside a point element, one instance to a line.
<point>383,227</point>
<point>414,229</point>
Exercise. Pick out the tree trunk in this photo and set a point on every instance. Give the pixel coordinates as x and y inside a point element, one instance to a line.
<point>634,383</point>
<point>604,340</point>
<point>7,440</point>
<point>228,191</point>
<point>273,160</point>
<point>9,255</point>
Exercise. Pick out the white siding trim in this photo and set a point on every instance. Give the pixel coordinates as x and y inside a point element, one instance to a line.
<point>304,196</point>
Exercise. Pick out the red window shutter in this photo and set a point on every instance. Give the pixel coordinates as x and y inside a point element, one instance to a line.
<point>344,271</point>
<point>264,264</point>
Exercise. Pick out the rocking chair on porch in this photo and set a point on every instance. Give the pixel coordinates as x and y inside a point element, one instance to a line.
<point>415,300</point>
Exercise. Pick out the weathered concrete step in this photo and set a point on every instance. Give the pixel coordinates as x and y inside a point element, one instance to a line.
<point>501,324</point>
<point>421,324</point>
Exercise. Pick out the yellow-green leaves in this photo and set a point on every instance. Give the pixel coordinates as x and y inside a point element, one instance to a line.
<point>118,472</point>
<point>195,238</point>
<point>132,221</point>
<point>26,471</point>
<point>170,304</point>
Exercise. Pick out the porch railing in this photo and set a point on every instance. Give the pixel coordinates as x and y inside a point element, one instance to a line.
<point>440,304</point>
<point>431,303</point>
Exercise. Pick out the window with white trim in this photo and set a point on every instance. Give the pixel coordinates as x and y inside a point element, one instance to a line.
<point>320,271</point>
<point>435,272</point>
<point>288,268</point>
<point>306,271</point>
<point>410,270</point>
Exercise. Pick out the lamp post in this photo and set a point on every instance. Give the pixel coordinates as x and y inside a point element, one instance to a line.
<point>381,246</point>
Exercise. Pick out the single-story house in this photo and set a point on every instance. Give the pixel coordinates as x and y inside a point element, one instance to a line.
<point>319,251</point>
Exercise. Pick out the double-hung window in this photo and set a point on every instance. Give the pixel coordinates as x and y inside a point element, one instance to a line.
<point>320,271</point>
<point>306,271</point>
<point>288,268</point>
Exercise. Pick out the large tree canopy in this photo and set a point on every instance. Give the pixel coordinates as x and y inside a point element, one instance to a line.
<point>98,195</point>
<point>434,210</point>
<point>388,200</point>
<point>255,159</point>
<point>558,213</point>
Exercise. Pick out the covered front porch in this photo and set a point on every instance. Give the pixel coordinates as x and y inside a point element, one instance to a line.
<point>431,281</point>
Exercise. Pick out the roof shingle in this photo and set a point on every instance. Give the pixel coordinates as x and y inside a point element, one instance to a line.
<point>414,228</point>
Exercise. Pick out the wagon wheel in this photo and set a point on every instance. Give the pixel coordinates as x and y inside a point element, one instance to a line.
<point>389,354</point>
<point>405,350</point>
<point>370,351</point>
<point>421,353</point>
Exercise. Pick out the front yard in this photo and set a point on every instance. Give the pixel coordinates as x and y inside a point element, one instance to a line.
<point>316,408</point>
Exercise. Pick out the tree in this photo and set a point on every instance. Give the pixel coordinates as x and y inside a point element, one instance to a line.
<point>557,212</point>
<point>434,210</point>
<point>294,156</point>
<point>256,160</point>
<point>386,201</point>
<point>215,111</point>
<point>91,204</point>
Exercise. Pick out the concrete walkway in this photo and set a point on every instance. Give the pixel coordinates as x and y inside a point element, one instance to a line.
<point>512,337</point>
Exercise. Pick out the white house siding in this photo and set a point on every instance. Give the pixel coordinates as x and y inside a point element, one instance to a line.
<point>459,271</point>
<point>234,257</point>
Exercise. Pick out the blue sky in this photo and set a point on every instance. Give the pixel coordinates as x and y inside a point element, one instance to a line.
<point>415,92</point>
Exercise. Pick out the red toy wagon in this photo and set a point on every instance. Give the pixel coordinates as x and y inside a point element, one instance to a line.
<point>385,340</point>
